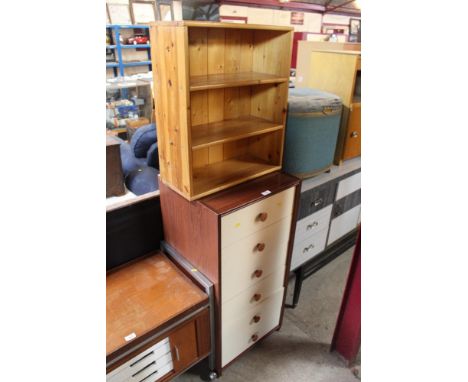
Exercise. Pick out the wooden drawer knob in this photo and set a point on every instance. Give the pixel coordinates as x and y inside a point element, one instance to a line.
<point>258,273</point>
<point>257,296</point>
<point>262,216</point>
<point>256,318</point>
<point>254,337</point>
<point>260,247</point>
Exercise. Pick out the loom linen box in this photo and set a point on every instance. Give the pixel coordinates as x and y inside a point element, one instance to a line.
<point>241,239</point>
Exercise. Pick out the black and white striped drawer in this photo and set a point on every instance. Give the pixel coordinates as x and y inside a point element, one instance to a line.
<point>316,198</point>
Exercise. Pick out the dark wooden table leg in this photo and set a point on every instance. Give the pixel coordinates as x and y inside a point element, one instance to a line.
<point>297,285</point>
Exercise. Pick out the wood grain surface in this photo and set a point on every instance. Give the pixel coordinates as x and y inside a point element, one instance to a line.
<point>249,192</point>
<point>144,296</point>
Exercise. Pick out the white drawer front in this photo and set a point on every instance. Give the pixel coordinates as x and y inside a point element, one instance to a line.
<point>237,335</point>
<point>263,251</point>
<point>306,249</point>
<point>348,185</point>
<point>313,223</point>
<point>152,358</point>
<point>344,223</point>
<point>246,221</point>
<point>252,296</point>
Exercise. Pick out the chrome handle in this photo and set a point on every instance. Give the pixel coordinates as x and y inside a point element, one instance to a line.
<point>177,353</point>
<point>354,134</point>
<point>142,358</point>
<point>311,246</point>
<point>310,226</point>
<point>317,202</point>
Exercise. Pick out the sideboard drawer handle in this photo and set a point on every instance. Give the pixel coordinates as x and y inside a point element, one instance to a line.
<point>262,216</point>
<point>142,358</point>
<point>257,296</point>
<point>260,247</point>
<point>258,273</point>
<point>139,371</point>
<point>307,249</point>
<point>354,134</point>
<point>310,226</point>
<point>153,373</point>
<point>254,337</point>
<point>256,318</point>
<point>317,202</point>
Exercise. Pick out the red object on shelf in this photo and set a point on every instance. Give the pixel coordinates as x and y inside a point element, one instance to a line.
<point>347,336</point>
<point>138,40</point>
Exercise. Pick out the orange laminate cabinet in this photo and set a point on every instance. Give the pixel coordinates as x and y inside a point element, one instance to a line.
<point>352,143</point>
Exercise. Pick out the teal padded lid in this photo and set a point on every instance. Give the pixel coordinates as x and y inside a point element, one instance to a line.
<point>307,100</point>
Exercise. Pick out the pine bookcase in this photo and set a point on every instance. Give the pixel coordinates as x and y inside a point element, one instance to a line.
<point>221,99</point>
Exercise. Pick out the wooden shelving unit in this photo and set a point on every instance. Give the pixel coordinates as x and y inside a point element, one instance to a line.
<point>221,99</point>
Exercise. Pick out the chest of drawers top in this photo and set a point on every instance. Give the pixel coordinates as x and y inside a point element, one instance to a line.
<point>336,173</point>
<point>247,193</point>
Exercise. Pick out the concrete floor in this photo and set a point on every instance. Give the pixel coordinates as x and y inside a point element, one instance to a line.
<point>300,350</point>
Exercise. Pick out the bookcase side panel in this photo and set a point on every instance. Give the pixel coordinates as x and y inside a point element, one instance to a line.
<point>172,106</point>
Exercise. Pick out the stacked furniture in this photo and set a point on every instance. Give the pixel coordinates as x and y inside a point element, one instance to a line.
<point>221,97</point>
<point>221,101</point>
<point>338,72</point>
<point>329,213</point>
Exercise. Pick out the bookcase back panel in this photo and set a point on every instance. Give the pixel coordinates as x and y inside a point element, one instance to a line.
<point>272,52</point>
<point>218,51</point>
<point>265,148</point>
<point>216,105</point>
<point>270,102</point>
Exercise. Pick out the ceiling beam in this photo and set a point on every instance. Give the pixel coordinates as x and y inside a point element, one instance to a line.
<point>338,6</point>
<point>292,5</point>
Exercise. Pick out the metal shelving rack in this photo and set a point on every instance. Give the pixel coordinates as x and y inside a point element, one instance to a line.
<point>120,65</point>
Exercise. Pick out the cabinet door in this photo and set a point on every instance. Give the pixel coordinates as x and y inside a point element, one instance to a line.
<point>184,346</point>
<point>352,144</point>
<point>344,224</point>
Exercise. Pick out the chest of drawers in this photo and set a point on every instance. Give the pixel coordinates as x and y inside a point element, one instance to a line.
<point>329,211</point>
<point>241,239</point>
<point>329,208</point>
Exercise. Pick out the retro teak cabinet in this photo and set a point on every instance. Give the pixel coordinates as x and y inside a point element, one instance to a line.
<point>221,98</point>
<point>241,239</point>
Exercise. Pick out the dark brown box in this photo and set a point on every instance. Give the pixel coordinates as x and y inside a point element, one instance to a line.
<point>114,174</point>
